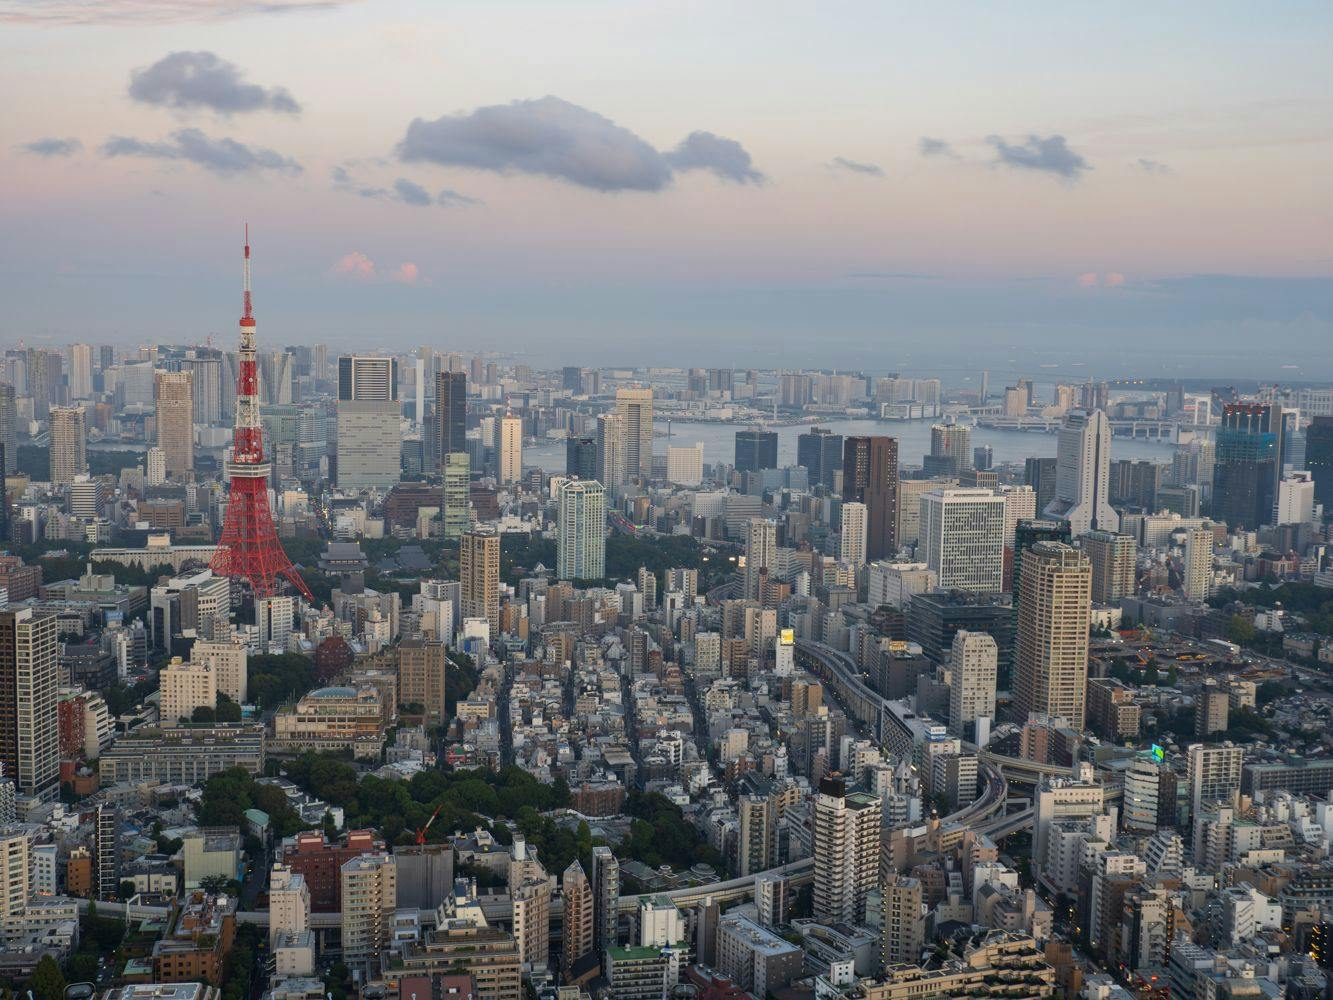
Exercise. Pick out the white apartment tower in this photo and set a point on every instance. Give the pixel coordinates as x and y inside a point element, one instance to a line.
<point>1083,474</point>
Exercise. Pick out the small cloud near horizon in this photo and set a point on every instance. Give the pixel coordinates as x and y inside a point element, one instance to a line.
<point>869,169</point>
<point>225,157</point>
<point>52,147</point>
<point>1110,279</point>
<point>936,147</point>
<point>1049,154</point>
<point>356,266</point>
<point>1154,167</point>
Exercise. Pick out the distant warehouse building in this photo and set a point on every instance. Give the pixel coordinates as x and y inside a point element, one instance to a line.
<point>1298,776</point>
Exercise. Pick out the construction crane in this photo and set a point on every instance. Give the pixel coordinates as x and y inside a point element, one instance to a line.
<point>421,834</point>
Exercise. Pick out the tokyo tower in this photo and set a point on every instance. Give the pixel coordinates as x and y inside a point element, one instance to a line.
<point>249,549</point>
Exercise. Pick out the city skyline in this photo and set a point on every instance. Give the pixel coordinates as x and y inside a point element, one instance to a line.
<point>925,190</point>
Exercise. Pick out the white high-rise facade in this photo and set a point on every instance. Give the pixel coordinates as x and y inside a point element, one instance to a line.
<point>973,661</point>
<point>1295,498</point>
<point>852,540</point>
<point>962,535</point>
<point>846,848</point>
<point>581,531</point>
<point>1083,474</point>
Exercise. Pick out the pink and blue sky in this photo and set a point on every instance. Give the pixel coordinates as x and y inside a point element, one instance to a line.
<point>861,184</point>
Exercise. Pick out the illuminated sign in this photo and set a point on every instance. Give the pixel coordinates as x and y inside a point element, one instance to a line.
<point>1158,754</point>
<point>788,636</point>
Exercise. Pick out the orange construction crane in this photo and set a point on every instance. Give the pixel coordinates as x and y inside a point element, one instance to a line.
<point>421,834</point>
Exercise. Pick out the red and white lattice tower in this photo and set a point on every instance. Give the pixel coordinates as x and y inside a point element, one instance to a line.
<point>249,549</point>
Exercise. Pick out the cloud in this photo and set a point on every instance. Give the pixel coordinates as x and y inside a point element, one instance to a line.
<point>356,266</point>
<point>726,158</point>
<point>1154,167</point>
<point>57,13</point>
<point>403,190</point>
<point>221,156</point>
<point>448,197</point>
<point>842,163</point>
<point>411,193</point>
<point>1050,155</point>
<point>936,147</point>
<point>1111,279</point>
<point>550,137</point>
<point>205,80</point>
<point>52,147</point>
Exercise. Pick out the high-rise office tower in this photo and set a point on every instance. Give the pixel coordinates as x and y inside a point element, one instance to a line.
<point>846,848</point>
<point>479,574</point>
<point>175,421</point>
<point>973,674</point>
<point>755,450</point>
<point>606,898</point>
<point>1196,570</point>
<point>1248,464</point>
<point>1039,473</point>
<point>1295,499</point>
<point>369,443</point>
<point>571,378</point>
<point>106,850</point>
<point>9,427</point>
<point>423,670</point>
<point>1318,456</point>
<point>852,538</point>
<point>29,678</point>
<point>1082,474</point>
<point>80,371</point>
<point>950,449</point>
<point>761,551</point>
<point>635,407</point>
<point>1054,608</point>
<point>206,369</point>
<point>983,457</point>
<point>450,415</point>
<point>820,451</point>
<point>581,532</point>
<point>962,538</point>
<point>581,456</point>
<point>69,444</point>
<point>870,476</point>
<point>509,452</point>
<point>611,451</point>
<point>1112,557</point>
<point>579,929</point>
<point>456,514</point>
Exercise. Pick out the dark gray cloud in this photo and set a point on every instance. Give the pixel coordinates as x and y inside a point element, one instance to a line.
<point>205,80</point>
<point>55,13</point>
<point>550,137</point>
<point>724,157</point>
<point>870,169</point>
<point>221,156</point>
<point>52,147</point>
<point>1049,154</point>
<point>1154,167</point>
<point>411,193</point>
<point>936,147</point>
